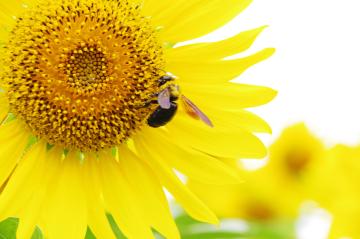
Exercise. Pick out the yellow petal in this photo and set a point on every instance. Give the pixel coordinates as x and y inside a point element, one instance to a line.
<point>121,201</point>
<point>202,70</point>
<point>230,96</point>
<point>224,143</point>
<point>9,203</point>
<point>96,208</point>
<point>223,118</point>
<point>222,199</point>
<point>213,50</point>
<point>98,222</point>
<point>191,163</point>
<point>9,12</point>
<point>27,188</point>
<point>65,211</point>
<point>236,118</point>
<point>25,183</point>
<point>194,207</point>
<point>13,140</point>
<point>146,186</point>
<point>183,20</point>
<point>4,107</point>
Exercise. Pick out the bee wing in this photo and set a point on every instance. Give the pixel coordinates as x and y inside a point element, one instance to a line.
<point>195,112</point>
<point>164,99</point>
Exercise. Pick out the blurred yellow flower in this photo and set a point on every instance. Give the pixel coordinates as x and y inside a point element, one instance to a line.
<point>292,158</point>
<point>253,199</point>
<point>275,191</point>
<point>91,80</point>
<point>336,187</point>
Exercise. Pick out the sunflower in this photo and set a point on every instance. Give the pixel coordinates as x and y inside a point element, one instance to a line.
<point>275,191</point>
<point>85,85</point>
<point>336,189</point>
<point>252,200</point>
<point>292,158</point>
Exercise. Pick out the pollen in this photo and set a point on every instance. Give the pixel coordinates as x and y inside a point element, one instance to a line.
<point>79,72</point>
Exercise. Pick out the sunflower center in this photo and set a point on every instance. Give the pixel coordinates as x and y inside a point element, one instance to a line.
<point>297,161</point>
<point>85,68</point>
<point>257,210</point>
<point>79,72</point>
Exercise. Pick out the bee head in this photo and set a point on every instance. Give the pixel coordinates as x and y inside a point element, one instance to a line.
<point>165,79</point>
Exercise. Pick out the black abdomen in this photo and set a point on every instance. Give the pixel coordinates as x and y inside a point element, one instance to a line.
<point>161,117</point>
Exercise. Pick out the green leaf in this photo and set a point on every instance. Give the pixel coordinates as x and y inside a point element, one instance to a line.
<point>115,227</point>
<point>37,234</point>
<point>215,235</point>
<point>89,234</point>
<point>8,228</point>
<point>10,118</point>
<point>277,229</point>
<point>189,229</point>
<point>272,230</point>
<point>184,220</point>
<point>32,140</point>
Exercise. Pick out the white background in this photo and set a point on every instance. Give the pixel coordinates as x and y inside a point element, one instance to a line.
<point>316,68</point>
<point>316,71</point>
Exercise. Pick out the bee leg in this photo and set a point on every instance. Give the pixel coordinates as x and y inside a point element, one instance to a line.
<point>147,104</point>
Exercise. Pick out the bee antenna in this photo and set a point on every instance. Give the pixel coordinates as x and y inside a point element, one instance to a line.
<point>167,73</point>
<point>161,70</point>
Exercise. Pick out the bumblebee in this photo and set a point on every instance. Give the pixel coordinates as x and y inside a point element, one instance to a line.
<point>167,100</point>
